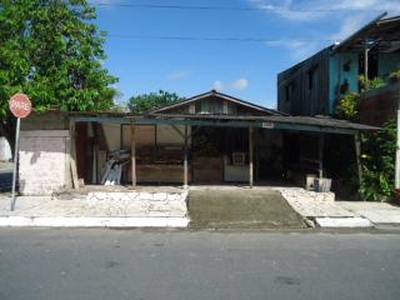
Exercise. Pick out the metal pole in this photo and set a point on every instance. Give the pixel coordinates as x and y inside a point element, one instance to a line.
<point>366,50</point>
<point>397,170</point>
<point>15,164</point>
<point>251,156</point>
<point>358,152</point>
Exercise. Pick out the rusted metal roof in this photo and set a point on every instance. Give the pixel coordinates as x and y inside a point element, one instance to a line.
<point>322,121</point>
<point>295,123</point>
<point>384,34</point>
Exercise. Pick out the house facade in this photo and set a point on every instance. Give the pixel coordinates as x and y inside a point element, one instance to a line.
<point>316,85</point>
<point>211,138</point>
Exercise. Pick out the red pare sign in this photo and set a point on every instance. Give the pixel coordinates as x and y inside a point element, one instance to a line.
<point>20,105</point>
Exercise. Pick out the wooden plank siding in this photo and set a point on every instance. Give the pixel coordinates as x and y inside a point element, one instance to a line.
<point>304,88</point>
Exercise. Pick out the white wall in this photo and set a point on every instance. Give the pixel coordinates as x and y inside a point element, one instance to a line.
<point>43,161</point>
<point>5,150</point>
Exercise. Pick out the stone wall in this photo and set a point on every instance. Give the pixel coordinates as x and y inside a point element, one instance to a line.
<point>138,203</point>
<point>43,161</point>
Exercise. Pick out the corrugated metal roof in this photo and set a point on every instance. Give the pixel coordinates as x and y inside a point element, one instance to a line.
<point>320,121</point>
<point>384,32</point>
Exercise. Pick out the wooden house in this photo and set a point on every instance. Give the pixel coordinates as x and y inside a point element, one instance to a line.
<point>211,138</point>
<point>315,85</point>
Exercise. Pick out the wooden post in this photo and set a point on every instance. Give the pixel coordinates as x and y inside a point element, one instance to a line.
<point>397,168</point>
<point>251,156</point>
<point>133,155</point>
<point>72,156</point>
<point>357,146</point>
<point>185,160</point>
<point>321,155</point>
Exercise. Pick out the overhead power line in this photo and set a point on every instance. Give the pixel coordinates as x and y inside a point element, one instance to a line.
<point>218,39</point>
<point>231,8</point>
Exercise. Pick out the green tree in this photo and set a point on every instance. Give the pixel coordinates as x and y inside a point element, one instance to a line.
<point>52,51</point>
<point>378,162</point>
<point>148,102</point>
<point>379,148</point>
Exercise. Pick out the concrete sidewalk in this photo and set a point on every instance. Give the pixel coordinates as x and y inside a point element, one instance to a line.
<point>321,209</point>
<point>98,209</point>
<point>167,207</point>
<point>379,213</point>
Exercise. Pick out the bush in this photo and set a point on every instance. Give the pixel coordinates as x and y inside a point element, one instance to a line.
<point>394,76</point>
<point>378,163</point>
<point>370,84</point>
<point>349,107</point>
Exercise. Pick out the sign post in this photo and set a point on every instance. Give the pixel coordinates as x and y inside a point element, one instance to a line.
<point>21,107</point>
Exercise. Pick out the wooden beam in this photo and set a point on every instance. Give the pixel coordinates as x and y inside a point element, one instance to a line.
<point>72,156</point>
<point>358,153</point>
<point>183,135</point>
<point>397,163</point>
<point>185,160</point>
<point>133,155</point>
<point>251,156</point>
<point>321,155</point>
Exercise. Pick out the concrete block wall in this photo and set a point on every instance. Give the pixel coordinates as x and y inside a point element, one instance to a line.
<point>43,161</point>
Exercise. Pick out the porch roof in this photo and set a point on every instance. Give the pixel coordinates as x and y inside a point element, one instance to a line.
<point>296,123</point>
<point>382,33</point>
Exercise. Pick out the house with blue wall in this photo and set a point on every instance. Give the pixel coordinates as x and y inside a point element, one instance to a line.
<point>316,85</point>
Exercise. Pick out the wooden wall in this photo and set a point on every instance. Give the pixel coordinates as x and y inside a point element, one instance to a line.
<point>304,88</point>
<point>380,105</point>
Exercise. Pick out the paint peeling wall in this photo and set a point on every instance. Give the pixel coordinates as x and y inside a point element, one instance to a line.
<point>43,161</point>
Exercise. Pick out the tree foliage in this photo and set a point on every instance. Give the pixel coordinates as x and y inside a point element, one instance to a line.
<point>379,148</point>
<point>378,162</point>
<point>349,107</point>
<point>52,51</point>
<point>148,102</point>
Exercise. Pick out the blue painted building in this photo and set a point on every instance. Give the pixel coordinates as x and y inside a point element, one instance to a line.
<point>315,85</point>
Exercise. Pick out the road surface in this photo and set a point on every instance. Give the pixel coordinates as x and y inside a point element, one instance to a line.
<point>132,264</point>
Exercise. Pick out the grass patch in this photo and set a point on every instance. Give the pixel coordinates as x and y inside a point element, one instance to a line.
<point>241,209</point>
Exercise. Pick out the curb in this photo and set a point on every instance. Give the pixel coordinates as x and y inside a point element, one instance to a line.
<point>351,222</point>
<point>103,222</point>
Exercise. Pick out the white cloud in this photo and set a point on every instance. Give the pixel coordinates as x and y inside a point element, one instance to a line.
<point>298,49</point>
<point>178,75</point>
<point>218,85</point>
<point>313,10</point>
<point>240,84</point>
<point>348,26</point>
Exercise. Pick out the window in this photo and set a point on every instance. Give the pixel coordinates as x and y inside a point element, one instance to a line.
<point>289,89</point>
<point>312,77</point>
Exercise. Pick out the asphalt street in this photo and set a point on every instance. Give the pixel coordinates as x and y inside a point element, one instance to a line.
<point>133,264</point>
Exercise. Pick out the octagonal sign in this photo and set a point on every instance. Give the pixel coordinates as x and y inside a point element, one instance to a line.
<point>20,105</point>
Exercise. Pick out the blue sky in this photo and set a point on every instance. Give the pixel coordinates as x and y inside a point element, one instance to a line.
<point>282,32</point>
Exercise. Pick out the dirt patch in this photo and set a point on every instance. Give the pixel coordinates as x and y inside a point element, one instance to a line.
<point>241,209</point>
